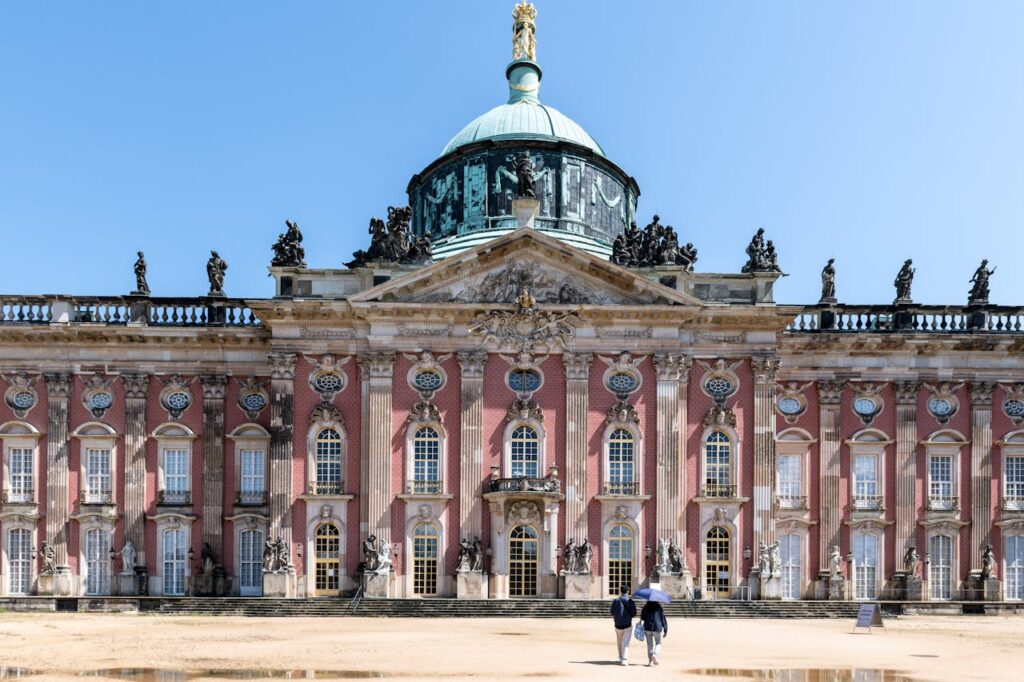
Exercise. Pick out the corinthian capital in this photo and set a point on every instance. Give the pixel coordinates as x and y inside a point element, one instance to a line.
<point>135,385</point>
<point>282,365</point>
<point>378,365</point>
<point>213,386</point>
<point>577,365</point>
<point>672,366</point>
<point>471,364</point>
<point>906,392</point>
<point>765,369</point>
<point>981,393</point>
<point>58,385</point>
<point>830,391</point>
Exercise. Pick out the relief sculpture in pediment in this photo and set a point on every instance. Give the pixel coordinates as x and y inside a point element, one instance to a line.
<point>504,285</point>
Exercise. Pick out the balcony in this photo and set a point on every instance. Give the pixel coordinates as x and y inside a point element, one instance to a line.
<point>524,484</point>
<point>791,502</point>
<point>174,498</point>
<point>423,487</point>
<point>21,496</point>
<point>943,503</point>
<point>326,488</point>
<point>622,488</point>
<point>251,498</point>
<point>1013,503</point>
<point>99,497</point>
<point>867,502</point>
<point>718,490</point>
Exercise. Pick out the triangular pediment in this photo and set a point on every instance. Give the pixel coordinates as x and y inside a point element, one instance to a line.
<point>553,272</point>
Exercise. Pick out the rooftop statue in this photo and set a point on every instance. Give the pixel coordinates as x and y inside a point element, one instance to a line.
<point>979,284</point>
<point>288,251</point>
<point>656,244</point>
<point>761,256</point>
<point>141,286</point>
<point>904,280</point>
<point>525,177</point>
<point>215,268</point>
<point>524,42</point>
<point>828,282</point>
<point>393,242</point>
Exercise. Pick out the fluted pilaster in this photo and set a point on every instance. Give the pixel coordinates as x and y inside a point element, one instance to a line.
<point>213,462</point>
<point>906,464</point>
<point>282,398</point>
<point>765,371</point>
<point>981,470</point>
<point>577,392</point>
<point>58,392</point>
<point>670,499</point>
<point>830,513</point>
<point>135,389</point>
<point>471,452</point>
<point>376,497</point>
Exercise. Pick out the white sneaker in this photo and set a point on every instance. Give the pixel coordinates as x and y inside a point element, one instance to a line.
<point>654,660</point>
<point>623,662</point>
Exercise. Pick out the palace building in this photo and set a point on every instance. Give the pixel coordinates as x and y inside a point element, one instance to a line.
<point>513,391</point>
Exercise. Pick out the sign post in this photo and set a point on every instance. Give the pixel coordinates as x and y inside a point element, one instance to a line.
<point>869,616</point>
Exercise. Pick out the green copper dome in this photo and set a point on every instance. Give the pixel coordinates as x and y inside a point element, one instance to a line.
<point>523,117</point>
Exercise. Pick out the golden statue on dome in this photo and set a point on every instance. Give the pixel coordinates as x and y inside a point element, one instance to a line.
<point>524,44</point>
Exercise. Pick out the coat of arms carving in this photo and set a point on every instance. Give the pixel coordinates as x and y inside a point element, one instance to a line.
<point>527,328</point>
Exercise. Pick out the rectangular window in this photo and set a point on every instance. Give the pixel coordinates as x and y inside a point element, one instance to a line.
<point>253,478</point>
<point>1014,567</point>
<point>1014,481</point>
<point>865,482</point>
<point>22,475</point>
<point>97,476</point>
<point>865,561</point>
<point>176,477</point>
<point>940,482</point>
<point>790,480</point>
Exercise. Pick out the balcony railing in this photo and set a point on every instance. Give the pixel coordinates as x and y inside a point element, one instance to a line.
<point>622,488</point>
<point>909,319</point>
<point>943,503</point>
<point>791,501</point>
<point>17,496</point>
<point>200,311</point>
<point>1013,502</point>
<point>96,497</point>
<point>867,502</point>
<point>423,487</point>
<point>174,498</point>
<point>524,484</point>
<point>718,490</point>
<point>326,487</point>
<point>251,498</point>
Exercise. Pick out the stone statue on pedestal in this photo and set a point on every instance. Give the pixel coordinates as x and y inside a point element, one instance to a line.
<point>141,286</point>
<point>215,268</point>
<point>465,562</point>
<point>384,558</point>
<point>524,43</point>
<point>370,555</point>
<point>911,562</point>
<point>761,256</point>
<point>664,566</point>
<point>49,555</point>
<point>988,563</point>
<point>288,251</point>
<point>763,561</point>
<point>979,285</point>
<point>904,280</point>
<point>675,558</point>
<point>828,282</point>
<point>775,560</point>
<point>476,556</point>
<point>834,561</point>
<point>525,177</point>
<point>128,558</point>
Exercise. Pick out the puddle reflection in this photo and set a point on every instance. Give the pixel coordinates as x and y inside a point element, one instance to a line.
<point>164,675</point>
<point>806,675</point>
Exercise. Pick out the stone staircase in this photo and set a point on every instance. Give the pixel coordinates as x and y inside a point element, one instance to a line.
<point>453,608</point>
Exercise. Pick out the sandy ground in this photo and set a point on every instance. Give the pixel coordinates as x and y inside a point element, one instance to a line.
<point>925,648</point>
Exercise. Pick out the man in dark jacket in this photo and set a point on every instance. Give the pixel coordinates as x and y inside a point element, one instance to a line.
<point>655,628</point>
<point>623,612</point>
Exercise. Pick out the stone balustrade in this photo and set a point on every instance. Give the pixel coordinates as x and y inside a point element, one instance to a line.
<point>124,310</point>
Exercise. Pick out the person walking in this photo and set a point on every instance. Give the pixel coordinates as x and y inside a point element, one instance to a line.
<point>623,612</point>
<point>655,628</point>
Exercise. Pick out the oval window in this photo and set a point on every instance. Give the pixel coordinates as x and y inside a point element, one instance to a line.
<point>254,401</point>
<point>622,382</point>
<point>178,400</point>
<point>1014,407</point>
<point>524,380</point>
<point>101,400</point>
<point>23,400</point>
<point>328,382</point>
<point>427,380</point>
<point>940,407</point>
<point>718,387</point>
<point>865,406</point>
<point>790,406</point>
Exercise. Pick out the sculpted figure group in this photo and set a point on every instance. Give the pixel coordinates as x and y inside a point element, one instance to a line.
<point>471,555</point>
<point>577,557</point>
<point>761,255</point>
<point>393,241</point>
<point>656,244</point>
<point>376,556</point>
<point>276,557</point>
<point>669,558</point>
<point>288,249</point>
<point>769,560</point>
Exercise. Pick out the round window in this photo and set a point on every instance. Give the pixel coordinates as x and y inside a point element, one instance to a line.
<point>23,400</point>
<point>789,406</point>
<point>427,380</point>
<point>524,380</point>
<point>1014,407</point>
<point>940,407</point>
<point>178,400</point>
<point>328,382</point>
<point>254,401</point>
<point>865,407</point>
<point>622,382</point>
<point>101,400</point>
<point>718,387</point>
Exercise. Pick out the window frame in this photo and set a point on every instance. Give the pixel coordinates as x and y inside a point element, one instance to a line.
<point>735,458</point>
<point>634,485</point>
<point>1011,448</point>
<point>173,437</point>
<point>541,440</point>
<point>944,443</point>
<point>250,437</point>
<point>797,443</point>
<point>868,443</point>
<point>18,435</point>
<point>425,486</point>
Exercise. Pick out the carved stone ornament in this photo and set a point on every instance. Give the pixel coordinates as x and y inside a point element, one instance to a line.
<point>471,364</point>
<point>58,385</point>
<point>765,369</point>
<point>523,513</point>
<point>830,392</point>
<point>425,512</point>
<point>981,393</point>
<point>424,413</point>
<point>867,394</point>
<point>903,283</point>
<point>655,245</point>
<point>792,403</point>
<point>176,396</point>
<point>577,365</point>
<point>97,396</point>
<point>905,392</point>
<point>621,512</point>
<point>428,366</point>
<point>504,285</point>
<point>673,367</point>
<point>326,413</point>
<point>136,386</point>
<point>288,251</point>
<point>1013,402</point>
<point>720,381</point>
<point>979,293</point>
<point>623,414</point>
<point>20,396</point>
<point>328,379</point>
<point>761,255</point>
<point>720,416</point>
<point>215,269</point>
<point>942,403</point>
<point>326,511</point>
<point>525,410</point>
<point>527,328</point>
<point>214,387</point>
<point>282,365</point>
<point>393,241</point>
<point>377,365</point>
<point>252,397</point>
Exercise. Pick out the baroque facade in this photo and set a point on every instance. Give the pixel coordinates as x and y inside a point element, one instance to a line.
<point>513,392</point>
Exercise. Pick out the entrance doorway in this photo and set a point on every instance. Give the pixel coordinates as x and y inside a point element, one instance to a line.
<point>328,564</point>
<point>250,563</point>
<point>522,562</point>
<point>716,565</point>
<point>19,561</point>
<point>97,561</point>
<point>940,569</point>
<point>789,550</point>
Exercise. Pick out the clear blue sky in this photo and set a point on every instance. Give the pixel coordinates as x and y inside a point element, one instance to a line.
<point>868,131</point>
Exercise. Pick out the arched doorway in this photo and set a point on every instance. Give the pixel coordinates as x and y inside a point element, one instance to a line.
<point>327,547</point>
<point>717,568</point>
<point>940,568</point>
<point>522,562</point>
<point>250,563</point>
<point>424,560</point>
<point>789,552</point>
<point>620,558</point>
<point>19,561</point>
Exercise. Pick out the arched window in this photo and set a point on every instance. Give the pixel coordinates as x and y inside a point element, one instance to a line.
<point>620,558</point>
<point>97,561</point>
<point>718,466</point>
<point>525,453</point>
<point>523,556</point>
<point>621,464</point>
<point>328,463</point>
<point>328,559</point>
<point>865,566</point>
<point>425,546</point>
<point>426,461</point>
<point>717,563</point>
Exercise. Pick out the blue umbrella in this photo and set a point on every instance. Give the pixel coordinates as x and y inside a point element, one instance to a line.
<point>650,594</point>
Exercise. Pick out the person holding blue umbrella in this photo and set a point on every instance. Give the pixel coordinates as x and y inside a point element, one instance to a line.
<point>654,620</point>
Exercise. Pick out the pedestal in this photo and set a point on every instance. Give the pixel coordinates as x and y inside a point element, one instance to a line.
<point>377,585</point>
<point>525,211</point>
<point>126,584</point>
<point>769,587</point>
<point>914,589</point>
<point>280,585</point>
<point>578,586</point>
<point>55,584</point>
<point>471,585</point>
<point>677,586</point>
<point>202,585</point>
<point>836,589</point>
<point>990,589</point>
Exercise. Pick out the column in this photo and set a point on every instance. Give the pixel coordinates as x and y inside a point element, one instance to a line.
<point>830,514</point>
<point>577,401</point>
<point>471,452</point>
<point>213,463</point>
<point>765,371</point>
<point>282,397</point>
<point>906,465</point>
<point>58,391</point>
<point>376,497</point>
<point>670,491</point>
<point>981,470</point>
<point>134,506</point>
